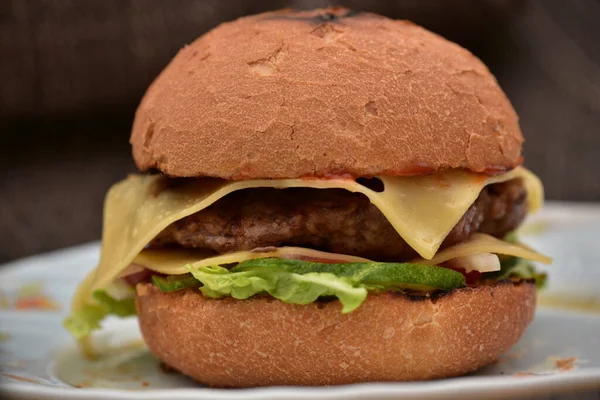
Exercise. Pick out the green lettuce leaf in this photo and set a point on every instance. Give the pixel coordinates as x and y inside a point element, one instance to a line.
<point>526,270</point>
<point>282,285</point>
<point>511,237</point>
<point>172,283</point>
<point>303,282</point>
<point>516,267</point>
<point>81,323</point>
<point>380,274</point>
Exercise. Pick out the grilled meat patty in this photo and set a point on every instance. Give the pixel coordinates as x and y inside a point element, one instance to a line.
<point>333,220</point>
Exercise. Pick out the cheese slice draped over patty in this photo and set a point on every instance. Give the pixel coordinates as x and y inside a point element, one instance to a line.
<point>422,209</point>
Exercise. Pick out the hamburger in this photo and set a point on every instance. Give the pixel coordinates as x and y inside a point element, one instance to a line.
<point>326,197</point>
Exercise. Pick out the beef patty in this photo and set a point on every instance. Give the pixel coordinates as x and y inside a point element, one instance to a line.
<point>332,220</point>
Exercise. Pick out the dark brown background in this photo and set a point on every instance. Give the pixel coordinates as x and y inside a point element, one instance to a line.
<point>72,72</point>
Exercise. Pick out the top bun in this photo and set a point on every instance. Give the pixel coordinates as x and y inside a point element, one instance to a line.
<point>320,93</point>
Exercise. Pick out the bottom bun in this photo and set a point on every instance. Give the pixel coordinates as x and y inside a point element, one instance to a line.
<point>390,337</point>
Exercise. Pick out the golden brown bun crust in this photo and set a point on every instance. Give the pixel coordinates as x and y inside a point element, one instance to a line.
<point>390,337</point>
<point>319,93</point>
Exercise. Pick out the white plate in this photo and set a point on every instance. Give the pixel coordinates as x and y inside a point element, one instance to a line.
<point>560,353</point>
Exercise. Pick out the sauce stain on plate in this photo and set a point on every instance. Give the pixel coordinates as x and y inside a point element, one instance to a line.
<point>552,365</point>
<point>565,364</point>
<point>32,297</point>
<point>570,302</point>
<point>20,378</point>
<point>129,366</point>
<point>4,336</point>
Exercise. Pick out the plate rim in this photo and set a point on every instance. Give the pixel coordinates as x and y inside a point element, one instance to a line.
<point>578,380</point>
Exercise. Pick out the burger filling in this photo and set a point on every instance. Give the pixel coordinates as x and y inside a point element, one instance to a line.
<point>415,235</point>
<point>333,220</point>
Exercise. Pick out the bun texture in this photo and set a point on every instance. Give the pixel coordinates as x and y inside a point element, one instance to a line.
<point>322,93</point>
<point>390,337</point>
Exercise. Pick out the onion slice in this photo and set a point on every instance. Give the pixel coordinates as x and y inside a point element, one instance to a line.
<point>482,262</point>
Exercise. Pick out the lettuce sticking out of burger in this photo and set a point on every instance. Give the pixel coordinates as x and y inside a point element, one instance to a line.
<point>325,199</point>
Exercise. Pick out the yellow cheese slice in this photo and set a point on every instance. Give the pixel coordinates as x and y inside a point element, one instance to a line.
<point>479,243</point>
<point>173,261</point>
<point>422,209</point>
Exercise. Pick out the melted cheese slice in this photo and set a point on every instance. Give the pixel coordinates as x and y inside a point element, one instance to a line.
<point>422,209</point>
<point>173,261</point>
<point>479,243</point>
